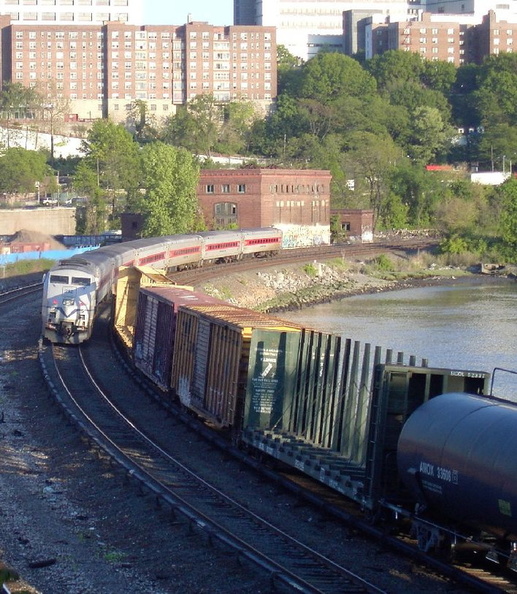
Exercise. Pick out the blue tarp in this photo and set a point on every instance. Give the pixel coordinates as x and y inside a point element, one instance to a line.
<point>48,255</point>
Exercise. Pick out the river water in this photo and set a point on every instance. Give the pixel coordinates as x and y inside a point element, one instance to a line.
<point>468,324</point>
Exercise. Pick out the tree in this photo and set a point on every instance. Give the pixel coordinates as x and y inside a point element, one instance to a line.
<point>16,102</point>
<point>394,67</point>
<point>20,169</point>
<point>419,189</point>
<point>328,76</point>
<point>142,121</point>
<point>464,110</point>
<point>195,126</point>
<point>52,109</point>
<point>508,220</point>
<point>429,135</point>
<point>234,137</point>
<point>288,70</point>
<point>113,155</point>
<point>170,180</point>
<point>498,146</point>
<point>373,159</point>
<point>438,75</point>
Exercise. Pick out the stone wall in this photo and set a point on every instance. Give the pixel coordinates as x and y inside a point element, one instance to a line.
<point>50,221</point>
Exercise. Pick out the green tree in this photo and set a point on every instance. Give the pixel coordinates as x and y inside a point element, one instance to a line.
<point>113,155</point>
<point>92,217</point>
<point>439,75</point>
<point>420,190</point>
<point>20,169</point>
<point>288,70</point>
<point>498,146</point>
<point>329,75</point>
<point>18,101</point>
<point>463,107</point>
<point>195,126</point>
<point>142,121</point>
<point>394,67</point>
<point>373,159</point>
<point>496,97</point>
<point>429,135</point>
<point>508,220</point>
<point>234,132</point>
<point>170,180</point>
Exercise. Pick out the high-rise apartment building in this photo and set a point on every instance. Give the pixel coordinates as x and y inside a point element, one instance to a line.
<point>102,70</point>
<point>72,12</point>
<point>458,39</point>
<point>305,27</point>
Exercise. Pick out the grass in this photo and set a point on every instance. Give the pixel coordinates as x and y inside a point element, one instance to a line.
<point>28,267</point>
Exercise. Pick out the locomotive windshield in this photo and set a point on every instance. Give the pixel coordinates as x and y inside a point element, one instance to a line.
<point>59,278</point>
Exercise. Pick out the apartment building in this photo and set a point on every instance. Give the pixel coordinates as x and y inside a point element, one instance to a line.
<point>72,11</point>
<point>455,38</point>
<point>103,69</point>
<point>305,27</point>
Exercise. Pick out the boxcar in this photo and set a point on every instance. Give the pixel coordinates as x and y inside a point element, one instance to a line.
<point>155,327</point>
<point>211,354</point>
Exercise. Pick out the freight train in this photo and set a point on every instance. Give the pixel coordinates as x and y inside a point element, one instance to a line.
<point>74,288</point>
<point>425,445</point>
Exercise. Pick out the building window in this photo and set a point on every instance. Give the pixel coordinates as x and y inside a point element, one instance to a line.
<point>225,188</point>
<point>241,188</point>
<point>210,189</point>
<point>225,213</point>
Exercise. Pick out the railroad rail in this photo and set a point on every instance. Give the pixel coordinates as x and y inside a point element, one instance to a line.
<point>288,561</point>
<point>207,509</point>
<point>141,473</point>
<point>291,256</point>
<point>15,293</point>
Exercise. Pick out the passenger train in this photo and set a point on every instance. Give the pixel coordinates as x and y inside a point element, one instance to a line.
<point>74,288</point>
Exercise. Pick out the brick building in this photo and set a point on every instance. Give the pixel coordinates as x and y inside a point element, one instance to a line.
<point>456,38</point>
<point>103,69</point>
<point>296,201</point>
<point>357,224</point>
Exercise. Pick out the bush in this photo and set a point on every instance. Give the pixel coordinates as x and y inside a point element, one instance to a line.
<point>384,264</point>
<point>310,270</point>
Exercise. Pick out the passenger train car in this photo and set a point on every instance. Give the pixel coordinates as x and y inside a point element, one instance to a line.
<point>74,288</point>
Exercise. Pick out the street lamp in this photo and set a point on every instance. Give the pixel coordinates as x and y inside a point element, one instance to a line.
<point>37,184</point>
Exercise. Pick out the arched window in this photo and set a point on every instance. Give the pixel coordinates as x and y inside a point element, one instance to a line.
<point>225,213</point>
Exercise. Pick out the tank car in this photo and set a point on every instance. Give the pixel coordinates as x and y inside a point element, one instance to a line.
<point>456,455</point>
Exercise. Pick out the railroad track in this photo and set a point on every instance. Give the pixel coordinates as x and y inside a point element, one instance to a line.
<point>285,257</point>
<point>16,293</point>
<point>110,421</point>
<point>288,561</point>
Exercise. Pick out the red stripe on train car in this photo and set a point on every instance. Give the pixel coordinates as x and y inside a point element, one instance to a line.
<point>152,258</point>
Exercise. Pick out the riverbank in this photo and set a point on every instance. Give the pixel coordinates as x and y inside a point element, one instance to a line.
<point>296,286</point>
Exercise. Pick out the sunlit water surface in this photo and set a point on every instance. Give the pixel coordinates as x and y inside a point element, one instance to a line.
<point>466,325</point>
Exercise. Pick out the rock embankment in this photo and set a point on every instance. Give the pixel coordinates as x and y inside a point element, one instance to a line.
<point>296,286</point>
